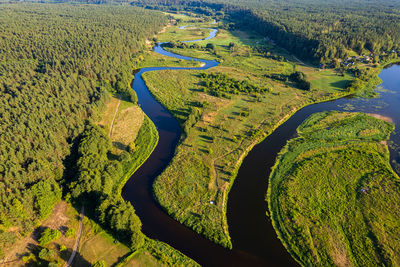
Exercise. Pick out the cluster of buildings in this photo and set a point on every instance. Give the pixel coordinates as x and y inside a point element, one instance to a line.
<point>350,61</point>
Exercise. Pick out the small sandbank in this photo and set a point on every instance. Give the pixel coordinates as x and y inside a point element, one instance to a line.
<point>381,117</point>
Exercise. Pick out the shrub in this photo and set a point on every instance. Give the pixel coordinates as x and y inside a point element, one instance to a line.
<point>70,232</point>
<point>48,235</point>
<point>47,254</point>
<point>99,264</point>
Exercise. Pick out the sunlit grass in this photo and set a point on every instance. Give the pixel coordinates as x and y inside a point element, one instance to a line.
<point>333,196</point>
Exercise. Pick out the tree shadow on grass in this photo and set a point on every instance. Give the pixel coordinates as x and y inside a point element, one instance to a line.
<point>181,114</point>
<point>79,260</point>
<point>206,138</point>
<point>120,146</point>
<point>340,84</point>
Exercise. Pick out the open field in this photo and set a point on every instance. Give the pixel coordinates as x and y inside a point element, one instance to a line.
<point>244,41</point>
<point>219,131</point>
<point>122,121</point>
<point>143,259</point>
<point>188,34</point>
<point>97,245</point>
<point>151,59</point>
<point>126,126</point>
<point>333,196</point>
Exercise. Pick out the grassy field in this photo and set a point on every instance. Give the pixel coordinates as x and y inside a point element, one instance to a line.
<point>333,196</point>
<point>122,121</point>
<point>143,259</point>
<point>188,34</point>
<point>96,245</point>
<point>151,59</point>
<point>145,142</point>
<point>244,41</point>
<point>125,124</point>
<point>194,188</point>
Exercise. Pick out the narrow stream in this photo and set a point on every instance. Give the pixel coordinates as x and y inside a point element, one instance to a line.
<point>254,240</point>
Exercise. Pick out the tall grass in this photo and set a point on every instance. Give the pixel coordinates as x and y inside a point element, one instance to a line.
<point>333,196</point>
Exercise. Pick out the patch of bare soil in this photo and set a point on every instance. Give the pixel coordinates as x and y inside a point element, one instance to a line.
<point>59,219</point>
<point>381,117</point>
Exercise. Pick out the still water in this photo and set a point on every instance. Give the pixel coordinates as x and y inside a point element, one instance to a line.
<point>254,240</point>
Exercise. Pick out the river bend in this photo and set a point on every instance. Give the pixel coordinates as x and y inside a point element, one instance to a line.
<point>255,242</point>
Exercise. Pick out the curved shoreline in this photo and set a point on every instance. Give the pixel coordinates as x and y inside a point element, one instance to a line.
<point>200,249</point>
<point>273,206</point>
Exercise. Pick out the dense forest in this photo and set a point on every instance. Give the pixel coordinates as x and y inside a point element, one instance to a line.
<point>56,64</point>
<point>318,31</point>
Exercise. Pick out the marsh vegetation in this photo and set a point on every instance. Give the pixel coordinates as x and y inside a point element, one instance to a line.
<point>224,112</point>
<point>333,196</point>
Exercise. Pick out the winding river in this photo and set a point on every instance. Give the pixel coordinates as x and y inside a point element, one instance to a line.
<point>254,240</point>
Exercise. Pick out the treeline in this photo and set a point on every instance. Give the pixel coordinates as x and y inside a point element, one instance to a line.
<point>97,176</point>
<point>56,64</point>
<point>318,31</point>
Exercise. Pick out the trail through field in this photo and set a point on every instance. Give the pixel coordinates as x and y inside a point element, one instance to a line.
<point>115,115</point>
<point>78,237</point>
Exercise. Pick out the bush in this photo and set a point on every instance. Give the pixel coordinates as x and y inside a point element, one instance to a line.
<point>70,233</point>
<point>28,258</point>
<point>210,46</point>
<point>47,254</point>
<point>221,85</point>
<point>99,264</point>
<point>120,217</point>
<point>132,147</point>
<point>49,235</point>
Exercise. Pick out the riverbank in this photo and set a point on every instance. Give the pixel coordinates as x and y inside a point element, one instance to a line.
<point>223,131</point>
<point>183,239</point>
<point>352,164</point>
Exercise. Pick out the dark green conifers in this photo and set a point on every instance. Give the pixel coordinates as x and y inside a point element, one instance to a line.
<point>56,64</point>
<point>333,196</point>
<point>101,175</point>
<point>319,31</point>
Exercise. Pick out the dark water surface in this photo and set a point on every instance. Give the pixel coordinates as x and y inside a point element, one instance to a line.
<point>254,240</point>
<point>249,227</point>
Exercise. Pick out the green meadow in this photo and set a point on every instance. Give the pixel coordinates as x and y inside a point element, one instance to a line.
<point>219,131</point>
<point>333,196</point>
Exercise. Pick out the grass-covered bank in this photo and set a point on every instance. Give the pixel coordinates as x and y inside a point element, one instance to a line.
<point>116,157</point>
<point>145,143</point>
<point>333,196</point>
<point>224,114</point>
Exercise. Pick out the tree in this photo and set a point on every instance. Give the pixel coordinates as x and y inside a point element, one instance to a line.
<point>47,254</point>
<point>210,46</point>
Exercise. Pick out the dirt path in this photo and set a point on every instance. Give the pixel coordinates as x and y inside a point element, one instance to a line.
<point>78,237</point>
<point>115,115</point>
